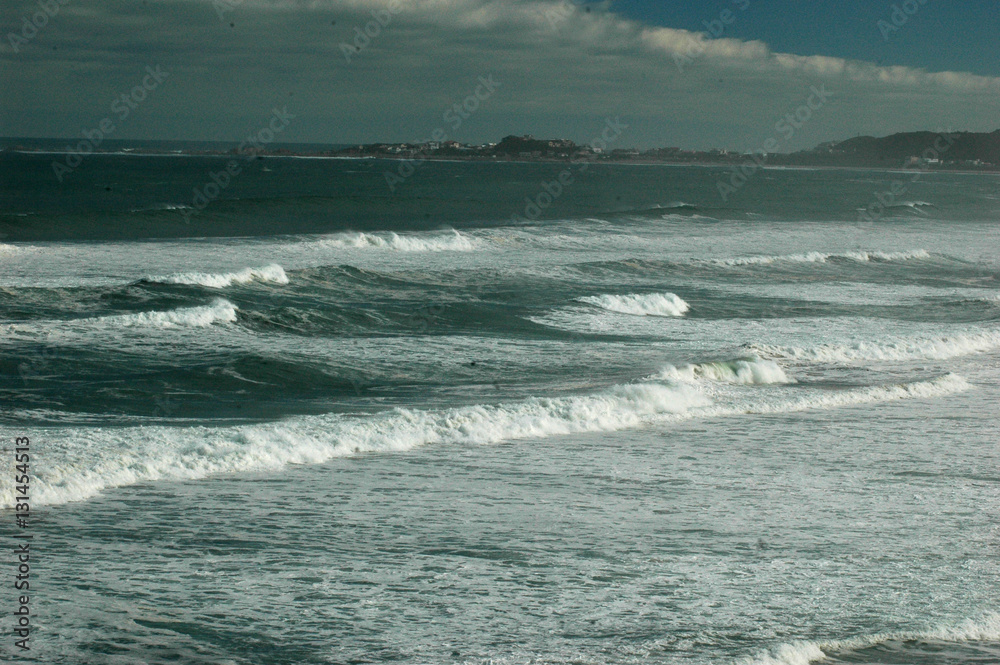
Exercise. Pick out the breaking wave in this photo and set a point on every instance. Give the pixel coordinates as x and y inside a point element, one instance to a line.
<point>986,629</point>
<point>640,304</point>
<point>743,371</point>
<point>86,461</point>
<point>928,348</point>
<point>114,457</point>
<point>220,311</point>
<point>820,257</point>
<point>451,242</point>
<point>943,385</point>
<point>271,273</point>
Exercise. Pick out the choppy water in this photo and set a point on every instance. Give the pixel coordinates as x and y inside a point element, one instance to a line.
<point>404,428</point>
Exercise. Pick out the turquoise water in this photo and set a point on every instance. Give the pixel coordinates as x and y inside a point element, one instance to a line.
<point>319,422</point>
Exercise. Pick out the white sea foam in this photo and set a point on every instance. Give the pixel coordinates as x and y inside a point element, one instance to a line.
<point>926,348</point>
<point>220,311</point>
<point>97,459</point>
<point>640,304</point>
<point>450,242</point>
<point>986,629</point>
<point>88,460</point>
<point>10,249</point>
<point>743,371</point>
<point>943,385</point>
<point>163,206</point>
<point>271,273</point>
<point>821,257</point>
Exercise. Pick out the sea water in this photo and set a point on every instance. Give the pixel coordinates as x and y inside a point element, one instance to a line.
<point>319,421</point>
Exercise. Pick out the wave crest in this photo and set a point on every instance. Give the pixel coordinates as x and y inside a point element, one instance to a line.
<point>743,371</point>
<point>928,348</point>
<point>452,242</point>
<point>272,273</point>
<point>640,304</point>
<point>220,311</point>
<point>86,461</point>
<point>99,458</point>
<point>986,629</point>
<point>821,257</point>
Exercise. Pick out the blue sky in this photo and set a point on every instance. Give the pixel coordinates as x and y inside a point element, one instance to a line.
<point>941,36</point>
<point>563,69</point>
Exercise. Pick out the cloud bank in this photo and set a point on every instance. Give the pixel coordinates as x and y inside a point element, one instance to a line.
<point>366,70</point>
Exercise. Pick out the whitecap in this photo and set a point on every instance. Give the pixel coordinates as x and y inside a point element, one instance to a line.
<point>917,348</point>
<point>87,460</point>
<point>640,304</point>
<point>220,311</point>
<point>451,242</point>
<point>272,273</point>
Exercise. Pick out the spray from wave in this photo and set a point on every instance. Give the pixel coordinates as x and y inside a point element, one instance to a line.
<point>640,304</point>
<point>743,371</point>
<point>451,242</point>
<point>272,273</point>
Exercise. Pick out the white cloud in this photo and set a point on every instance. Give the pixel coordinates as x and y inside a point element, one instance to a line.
<point>564,69</point>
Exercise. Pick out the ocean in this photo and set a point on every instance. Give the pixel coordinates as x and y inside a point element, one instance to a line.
<point>489,416</point>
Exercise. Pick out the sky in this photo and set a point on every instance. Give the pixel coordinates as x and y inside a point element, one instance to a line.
<point>731,74</point>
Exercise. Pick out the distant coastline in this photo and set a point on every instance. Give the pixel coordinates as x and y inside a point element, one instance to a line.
<point>958,151</point>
